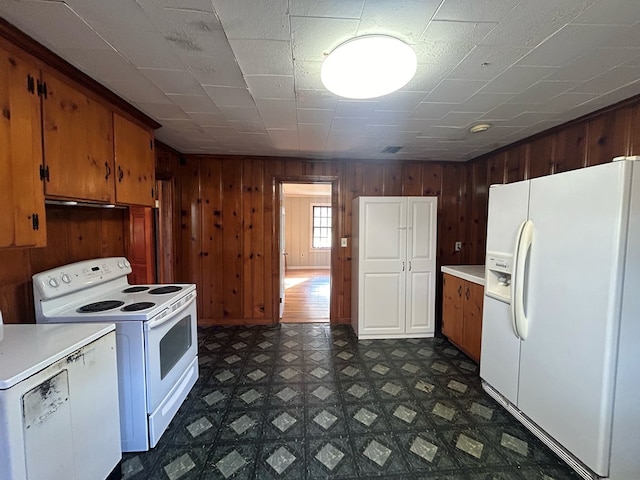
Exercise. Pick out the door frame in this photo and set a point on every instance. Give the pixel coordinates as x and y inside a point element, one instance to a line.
<point>336,220</point>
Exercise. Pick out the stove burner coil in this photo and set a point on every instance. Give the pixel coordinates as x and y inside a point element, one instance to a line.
<point>100,306</point>
<point>166,289</point>
<point>134,307</point>
<point>135,289</point>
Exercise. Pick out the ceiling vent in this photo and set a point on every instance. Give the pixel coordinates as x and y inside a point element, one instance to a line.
<point>391,149</point>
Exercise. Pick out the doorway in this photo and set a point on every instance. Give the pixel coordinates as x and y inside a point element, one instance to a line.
<point>306,234</point>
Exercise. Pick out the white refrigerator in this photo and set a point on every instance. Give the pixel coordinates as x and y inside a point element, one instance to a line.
<point>561,319</point>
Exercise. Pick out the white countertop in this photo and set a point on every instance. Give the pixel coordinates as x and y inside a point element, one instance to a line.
<point>472,273</point>
<point>25,349</point>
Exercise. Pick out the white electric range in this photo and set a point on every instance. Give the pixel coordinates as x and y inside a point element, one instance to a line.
<point>156,337</point>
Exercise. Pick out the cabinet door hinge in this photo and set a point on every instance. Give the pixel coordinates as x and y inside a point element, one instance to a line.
<point>35,221</point>
<point>42,89</point>
<point>31,84</point>
<point>150,144</point>
<point>44,173</point>
<point>152,194</point>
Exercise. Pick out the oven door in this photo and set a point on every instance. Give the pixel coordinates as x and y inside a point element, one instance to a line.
<point>171,346</point>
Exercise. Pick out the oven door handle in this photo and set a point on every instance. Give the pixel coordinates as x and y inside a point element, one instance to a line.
<point>156,322</point>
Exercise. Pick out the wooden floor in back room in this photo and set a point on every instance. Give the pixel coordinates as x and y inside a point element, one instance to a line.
<point>306,298</point>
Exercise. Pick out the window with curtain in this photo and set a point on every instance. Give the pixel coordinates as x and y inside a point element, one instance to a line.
<point>321,229</point>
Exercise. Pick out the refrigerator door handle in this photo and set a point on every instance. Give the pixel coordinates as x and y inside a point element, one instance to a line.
<point>526,239</point>
<point>514,280</point>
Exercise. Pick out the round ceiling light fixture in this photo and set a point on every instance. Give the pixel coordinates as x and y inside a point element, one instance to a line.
<point>368,67</point>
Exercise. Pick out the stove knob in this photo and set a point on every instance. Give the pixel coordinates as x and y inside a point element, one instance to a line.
<point>120,264</point>
<point>127,264</point>
<point>54,283</point>
<point>66,278</point>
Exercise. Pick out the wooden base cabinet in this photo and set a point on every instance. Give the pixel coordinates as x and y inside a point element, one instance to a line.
<point>394,266</point>
<point>462,314</point>
<point>22,222</point>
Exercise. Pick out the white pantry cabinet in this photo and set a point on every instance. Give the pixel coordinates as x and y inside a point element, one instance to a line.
<point>394,267</point>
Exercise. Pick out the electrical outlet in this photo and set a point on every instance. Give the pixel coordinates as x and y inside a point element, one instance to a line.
<point>343,242</point>
<point>458,246</point>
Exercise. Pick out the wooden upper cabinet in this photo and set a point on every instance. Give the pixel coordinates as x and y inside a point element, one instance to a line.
<point>78,144</point>
<point>135,164</point>
<point>22,222</point>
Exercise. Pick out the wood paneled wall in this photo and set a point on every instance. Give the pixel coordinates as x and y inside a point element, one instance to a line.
<point>73,234</point>
<point>592,140</point>
<point>229,219</point>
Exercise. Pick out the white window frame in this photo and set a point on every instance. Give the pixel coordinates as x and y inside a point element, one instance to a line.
<point>311,247</point>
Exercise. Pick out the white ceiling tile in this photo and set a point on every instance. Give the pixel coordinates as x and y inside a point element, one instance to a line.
<point>284,139</point>
<point>230,96</point>
<point>594,63</point>
<point>36,18</point>
<point>278,113</point>
<point>315,99</point>
<point>263,57</point>
<point>209,119</point>
<point>474,11</point>
<point>529,23</point>
<point>427,77</point>
<point>248,127</point>
<point>563,102</point>
<point>405,19</point>
<point>611,80</point>
<point>201,5</point>
<point>622,93</point>
<point>387,117</point>
<point>568,43</point>
<point>504,112</point>
<point>163,111</point>
<point>350,124</point>
<point>307,75</point>
<point>611,12</point>
<point>144,49</point>
<point>326,8</point>
<point>528,119</point>
<point>486,63</point>
<point>355,108</point>
<point>312,137</point>
<point>405,101</point>
<point>314,38</point>
<point>454,90</point>
<point>173,82</point>
<point>458,119</point>
<point>482,102</point>
<point>107,63</point>
<point>194,103</point>
<point>314,115</point>
<point>516,79</point>
<point>430,110</point>
<point>251,19</point>
<point>542,91</point>
<point>138,90</point>
<point>626,37</point>
<point>220,72</point>
<point>120,14</point>
<point>271,86</point>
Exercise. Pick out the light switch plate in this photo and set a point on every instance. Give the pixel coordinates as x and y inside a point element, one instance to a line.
<point>458,246</point>
<point>343,242</point>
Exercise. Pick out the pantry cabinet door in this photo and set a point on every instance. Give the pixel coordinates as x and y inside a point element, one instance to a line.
<point>421,264</point>
<point>78,144</point>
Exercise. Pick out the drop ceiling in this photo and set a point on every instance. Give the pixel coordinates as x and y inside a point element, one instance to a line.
<point>242,77</point>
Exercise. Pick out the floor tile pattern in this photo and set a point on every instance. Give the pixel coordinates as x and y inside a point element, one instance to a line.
<point>309,401</point>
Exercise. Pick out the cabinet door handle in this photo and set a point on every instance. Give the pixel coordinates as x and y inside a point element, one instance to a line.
<point>35,221</point>
<point>460,291</point>
<point>467,294</point>
<point>120,174</point>
<point>108,168</point>
<point>403,266</point>
<point>409,265</point>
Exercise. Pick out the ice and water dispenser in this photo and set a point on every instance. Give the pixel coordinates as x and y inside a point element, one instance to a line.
<point>498,282</point>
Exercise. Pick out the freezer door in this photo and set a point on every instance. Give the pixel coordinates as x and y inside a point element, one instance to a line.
<point>499,360</point>
<point>567,362</point>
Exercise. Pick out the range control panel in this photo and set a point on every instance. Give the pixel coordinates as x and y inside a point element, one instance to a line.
<point>79,275</point>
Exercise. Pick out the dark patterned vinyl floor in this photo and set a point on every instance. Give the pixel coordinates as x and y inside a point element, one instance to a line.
<point>306,401</point>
